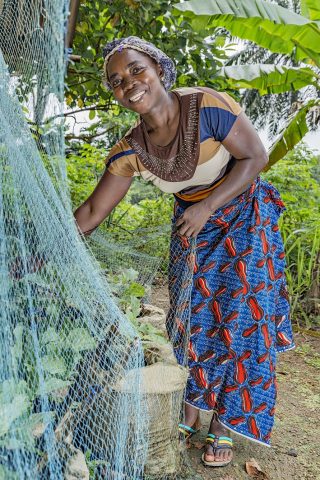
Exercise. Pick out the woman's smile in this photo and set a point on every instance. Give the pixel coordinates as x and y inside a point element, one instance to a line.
<point>137,97</point>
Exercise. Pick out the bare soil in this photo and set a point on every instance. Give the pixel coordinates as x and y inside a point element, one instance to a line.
<point>295,450</point>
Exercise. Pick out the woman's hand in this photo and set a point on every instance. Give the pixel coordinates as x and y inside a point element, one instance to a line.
<point>194,219</point>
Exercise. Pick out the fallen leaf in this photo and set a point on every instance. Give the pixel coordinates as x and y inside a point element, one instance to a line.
<point>254,470</point>
<point>198,445</point>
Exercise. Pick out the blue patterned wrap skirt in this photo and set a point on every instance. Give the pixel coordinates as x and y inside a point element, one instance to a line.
<point>229,310</point>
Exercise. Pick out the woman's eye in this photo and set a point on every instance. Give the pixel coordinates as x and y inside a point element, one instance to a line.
<point>116,83</point>
<point>136,70</point>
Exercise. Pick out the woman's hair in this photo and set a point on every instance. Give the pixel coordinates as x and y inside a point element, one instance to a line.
<point>136,43</point>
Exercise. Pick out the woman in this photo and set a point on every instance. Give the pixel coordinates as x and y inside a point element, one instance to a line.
<point>198,144</point>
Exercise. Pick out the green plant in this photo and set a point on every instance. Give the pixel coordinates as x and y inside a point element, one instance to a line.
<point>296,177</point>
<point>127,291</point>
<point>93,464</point>
<point>301,263</point>
<point>295,37</point>
<point>129,294</point>
<point>45,348</point>
<point>84,168</point>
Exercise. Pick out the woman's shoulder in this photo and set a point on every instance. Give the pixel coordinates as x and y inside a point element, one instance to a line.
<point>183,91</point>
<point>211,98</point>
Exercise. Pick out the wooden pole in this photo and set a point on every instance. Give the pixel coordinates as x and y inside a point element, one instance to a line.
<point>72,22</point>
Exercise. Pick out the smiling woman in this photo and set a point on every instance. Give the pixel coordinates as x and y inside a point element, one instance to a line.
<point>199,145</point>
<point>134,78</point>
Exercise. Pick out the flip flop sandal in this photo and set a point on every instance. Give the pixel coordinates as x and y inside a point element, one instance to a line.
<point>186,431</point>
<point>217,443</point>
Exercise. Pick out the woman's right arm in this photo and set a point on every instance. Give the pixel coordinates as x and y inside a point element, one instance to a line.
<point>108,193</point>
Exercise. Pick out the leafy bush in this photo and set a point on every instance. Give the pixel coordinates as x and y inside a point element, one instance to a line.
<point>129,293</point>
<point>84,168</point>
<point>297,178</point>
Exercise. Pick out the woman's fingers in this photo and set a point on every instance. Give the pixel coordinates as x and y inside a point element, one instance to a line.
<point>183,229</point>
<point>180,221</point>
<point>186,230</point>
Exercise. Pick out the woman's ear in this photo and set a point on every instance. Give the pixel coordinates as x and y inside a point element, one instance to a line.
<point>160,72</point>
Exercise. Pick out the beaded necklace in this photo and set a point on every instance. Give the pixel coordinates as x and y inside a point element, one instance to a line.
<point>171,166</point>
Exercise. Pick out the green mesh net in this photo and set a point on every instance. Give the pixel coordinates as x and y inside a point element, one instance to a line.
<point>85,390</point>
<point>64,343</point>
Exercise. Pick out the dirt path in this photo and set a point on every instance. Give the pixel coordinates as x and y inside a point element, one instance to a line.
<point>294,454</point>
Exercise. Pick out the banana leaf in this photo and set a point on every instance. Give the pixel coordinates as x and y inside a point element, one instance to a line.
<point>292,133</point>
<point>268,25</point>
<point>310,9</point>
<point>266,78</point>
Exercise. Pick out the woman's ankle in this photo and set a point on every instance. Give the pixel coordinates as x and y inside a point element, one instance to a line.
<point>216,426</point>
<point>191,415</point>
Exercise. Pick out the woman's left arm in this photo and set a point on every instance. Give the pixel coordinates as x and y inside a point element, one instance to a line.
<point>246,147</point>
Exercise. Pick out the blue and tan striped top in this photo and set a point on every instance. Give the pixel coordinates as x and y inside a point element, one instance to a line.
<point>209,165</point>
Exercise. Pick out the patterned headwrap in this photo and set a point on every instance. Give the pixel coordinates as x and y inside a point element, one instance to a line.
<point>136,43</point>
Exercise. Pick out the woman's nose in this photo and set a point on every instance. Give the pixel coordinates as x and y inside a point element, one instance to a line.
<point>129,83</point>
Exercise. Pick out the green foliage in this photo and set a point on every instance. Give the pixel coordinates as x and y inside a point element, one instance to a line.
<point>265,78</point>
<point>84,168</point>
<point>310,9</point>
<point>61,347</point>
<point>279,30</point>
<point>292,133</point>
<point>142,218</point>
<point>93,464</point>
<point>267,24</point>
<point>145,225</point>
<point>297,178</point>
<point>129,293</point>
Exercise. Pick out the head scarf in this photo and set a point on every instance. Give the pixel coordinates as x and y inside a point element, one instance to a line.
<point>136,43</point>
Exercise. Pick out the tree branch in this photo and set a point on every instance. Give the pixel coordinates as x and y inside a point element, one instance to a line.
<point>89,137</point>
<point>103,108</point>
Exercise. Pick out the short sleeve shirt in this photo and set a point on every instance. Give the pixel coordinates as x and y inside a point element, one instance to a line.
<point>206,118</point>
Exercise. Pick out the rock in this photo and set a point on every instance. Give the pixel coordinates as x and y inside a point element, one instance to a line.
<point>64,429</point>
<point>39,430</point>
<point>292,452</point>
<point>76,467</point>
<point>154,315</point>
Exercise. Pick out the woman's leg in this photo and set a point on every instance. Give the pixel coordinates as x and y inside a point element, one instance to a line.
<point>191,416</point>
<point>223,454</point>
<point>192,419</point>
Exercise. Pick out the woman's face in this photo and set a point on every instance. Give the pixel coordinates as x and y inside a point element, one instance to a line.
<point>135,80</point>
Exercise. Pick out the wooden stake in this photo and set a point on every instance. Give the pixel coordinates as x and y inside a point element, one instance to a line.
<point>72,22</point>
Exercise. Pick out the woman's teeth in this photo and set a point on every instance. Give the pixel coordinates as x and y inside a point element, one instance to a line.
<point>137,97</point>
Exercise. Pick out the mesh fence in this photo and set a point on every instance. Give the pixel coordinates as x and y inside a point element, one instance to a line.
<point>114,258</point>
<point>85,391</point>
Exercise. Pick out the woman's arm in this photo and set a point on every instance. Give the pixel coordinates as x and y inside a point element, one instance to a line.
<point>245,145</point>
<point>108,193</point>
